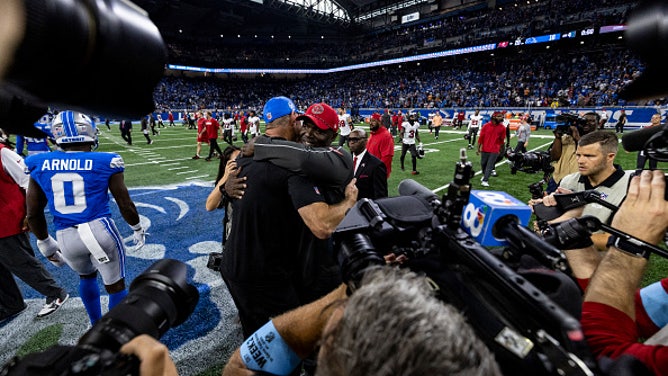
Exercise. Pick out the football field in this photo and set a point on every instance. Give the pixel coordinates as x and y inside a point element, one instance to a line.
<point>170,189</point>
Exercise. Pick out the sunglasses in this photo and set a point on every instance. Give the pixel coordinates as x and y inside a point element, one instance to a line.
<point>355,139</point>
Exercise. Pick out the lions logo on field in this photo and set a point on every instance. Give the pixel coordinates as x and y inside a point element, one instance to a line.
<point>180,228</point>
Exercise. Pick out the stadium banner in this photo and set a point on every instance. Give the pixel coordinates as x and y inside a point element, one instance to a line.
<point>635,116</point>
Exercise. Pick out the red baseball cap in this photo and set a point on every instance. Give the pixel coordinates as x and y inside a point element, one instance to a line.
<point>375,116</point>
<point>323,116</point>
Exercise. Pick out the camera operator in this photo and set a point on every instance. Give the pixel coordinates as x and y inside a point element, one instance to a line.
<point>610,306</point>
<point>642,156</point>
<point>391,325</point>
<point>595,158</point>
<point>564,146</point>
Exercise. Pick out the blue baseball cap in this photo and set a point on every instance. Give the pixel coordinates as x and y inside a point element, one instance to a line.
<point>278,107</point>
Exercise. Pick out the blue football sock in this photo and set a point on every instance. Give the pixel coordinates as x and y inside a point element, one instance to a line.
<point>116,298</point>
<point>90,296</point>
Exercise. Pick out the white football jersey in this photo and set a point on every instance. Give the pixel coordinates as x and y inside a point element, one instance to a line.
<point>475,121</point>
<point>345,124</point>
<point>409,132</point>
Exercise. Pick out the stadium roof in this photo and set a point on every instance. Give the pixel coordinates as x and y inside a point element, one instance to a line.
<point>298,18</point>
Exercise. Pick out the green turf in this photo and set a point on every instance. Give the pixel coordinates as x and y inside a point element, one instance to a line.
<point>41,341</point>
<point>168,160</point>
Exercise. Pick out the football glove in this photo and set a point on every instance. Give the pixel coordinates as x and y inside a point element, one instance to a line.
<point>139,236</point>
<point>49,248</point>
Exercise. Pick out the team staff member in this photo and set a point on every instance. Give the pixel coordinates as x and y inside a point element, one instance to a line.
<point>436,123</point>
<point>202,136</point>
<point>16,255</point>
<point>380,143</point>
<point>410,134</point>
<point>259,270</point>
<point>621,121</point>
<point>370,172</point>
<point>492,135</point>
<point>523,133</point>
<point>330,168</point>
<point>213,132</point>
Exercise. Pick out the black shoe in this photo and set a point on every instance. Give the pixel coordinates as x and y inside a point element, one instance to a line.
<point>207,159</point>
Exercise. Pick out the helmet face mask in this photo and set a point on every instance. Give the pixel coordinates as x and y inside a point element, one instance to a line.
<point>72,127</point>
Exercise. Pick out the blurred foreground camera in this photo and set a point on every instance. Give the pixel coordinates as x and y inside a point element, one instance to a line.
<point>83,54</point>
<point>159,299</point>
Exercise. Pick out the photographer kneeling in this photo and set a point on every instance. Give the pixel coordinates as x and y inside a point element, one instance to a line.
<point>392,324</point>
<point>595,158</point>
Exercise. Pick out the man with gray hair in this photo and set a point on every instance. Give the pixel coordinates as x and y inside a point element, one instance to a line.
<point>406,331</point>
<point>369,171</point>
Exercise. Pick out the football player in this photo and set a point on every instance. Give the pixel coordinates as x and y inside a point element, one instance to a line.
<point>74,183</point>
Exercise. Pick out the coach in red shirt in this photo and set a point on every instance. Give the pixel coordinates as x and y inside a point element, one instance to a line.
<point>380,143</point>
<point>492,135</point>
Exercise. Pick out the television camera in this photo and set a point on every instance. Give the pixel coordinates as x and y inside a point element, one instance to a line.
<point>159,298</point>
<point>523,315</point>
<point>530,162</point>
<point>523,327</point>
<point>566,121</point>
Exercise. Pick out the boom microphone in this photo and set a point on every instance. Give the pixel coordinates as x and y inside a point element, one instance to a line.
<point>636,140</point>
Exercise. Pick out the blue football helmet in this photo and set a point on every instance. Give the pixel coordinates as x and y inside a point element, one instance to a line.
<point>44,124</point>
<point>72,127</point>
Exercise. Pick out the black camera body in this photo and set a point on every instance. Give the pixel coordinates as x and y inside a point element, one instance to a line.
<point>159,299</point>
<point>526,330</point>
<point>566,121</point>
<point>530,162</point>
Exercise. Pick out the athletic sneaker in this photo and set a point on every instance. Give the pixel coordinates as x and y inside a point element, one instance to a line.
<point>53,306</point>
<point>196,157</point>
<point>494,173</point>
<point>415,172</point>
<point>484,183</point>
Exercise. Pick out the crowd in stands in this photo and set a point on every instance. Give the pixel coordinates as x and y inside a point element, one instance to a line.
<point>462,27</point>
<point>552,78</point>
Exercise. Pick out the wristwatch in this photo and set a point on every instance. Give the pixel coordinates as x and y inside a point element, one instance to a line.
<point>628,246</point>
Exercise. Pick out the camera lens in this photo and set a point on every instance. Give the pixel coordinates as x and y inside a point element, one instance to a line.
<point>73,48</point>
<point>159,299</point>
